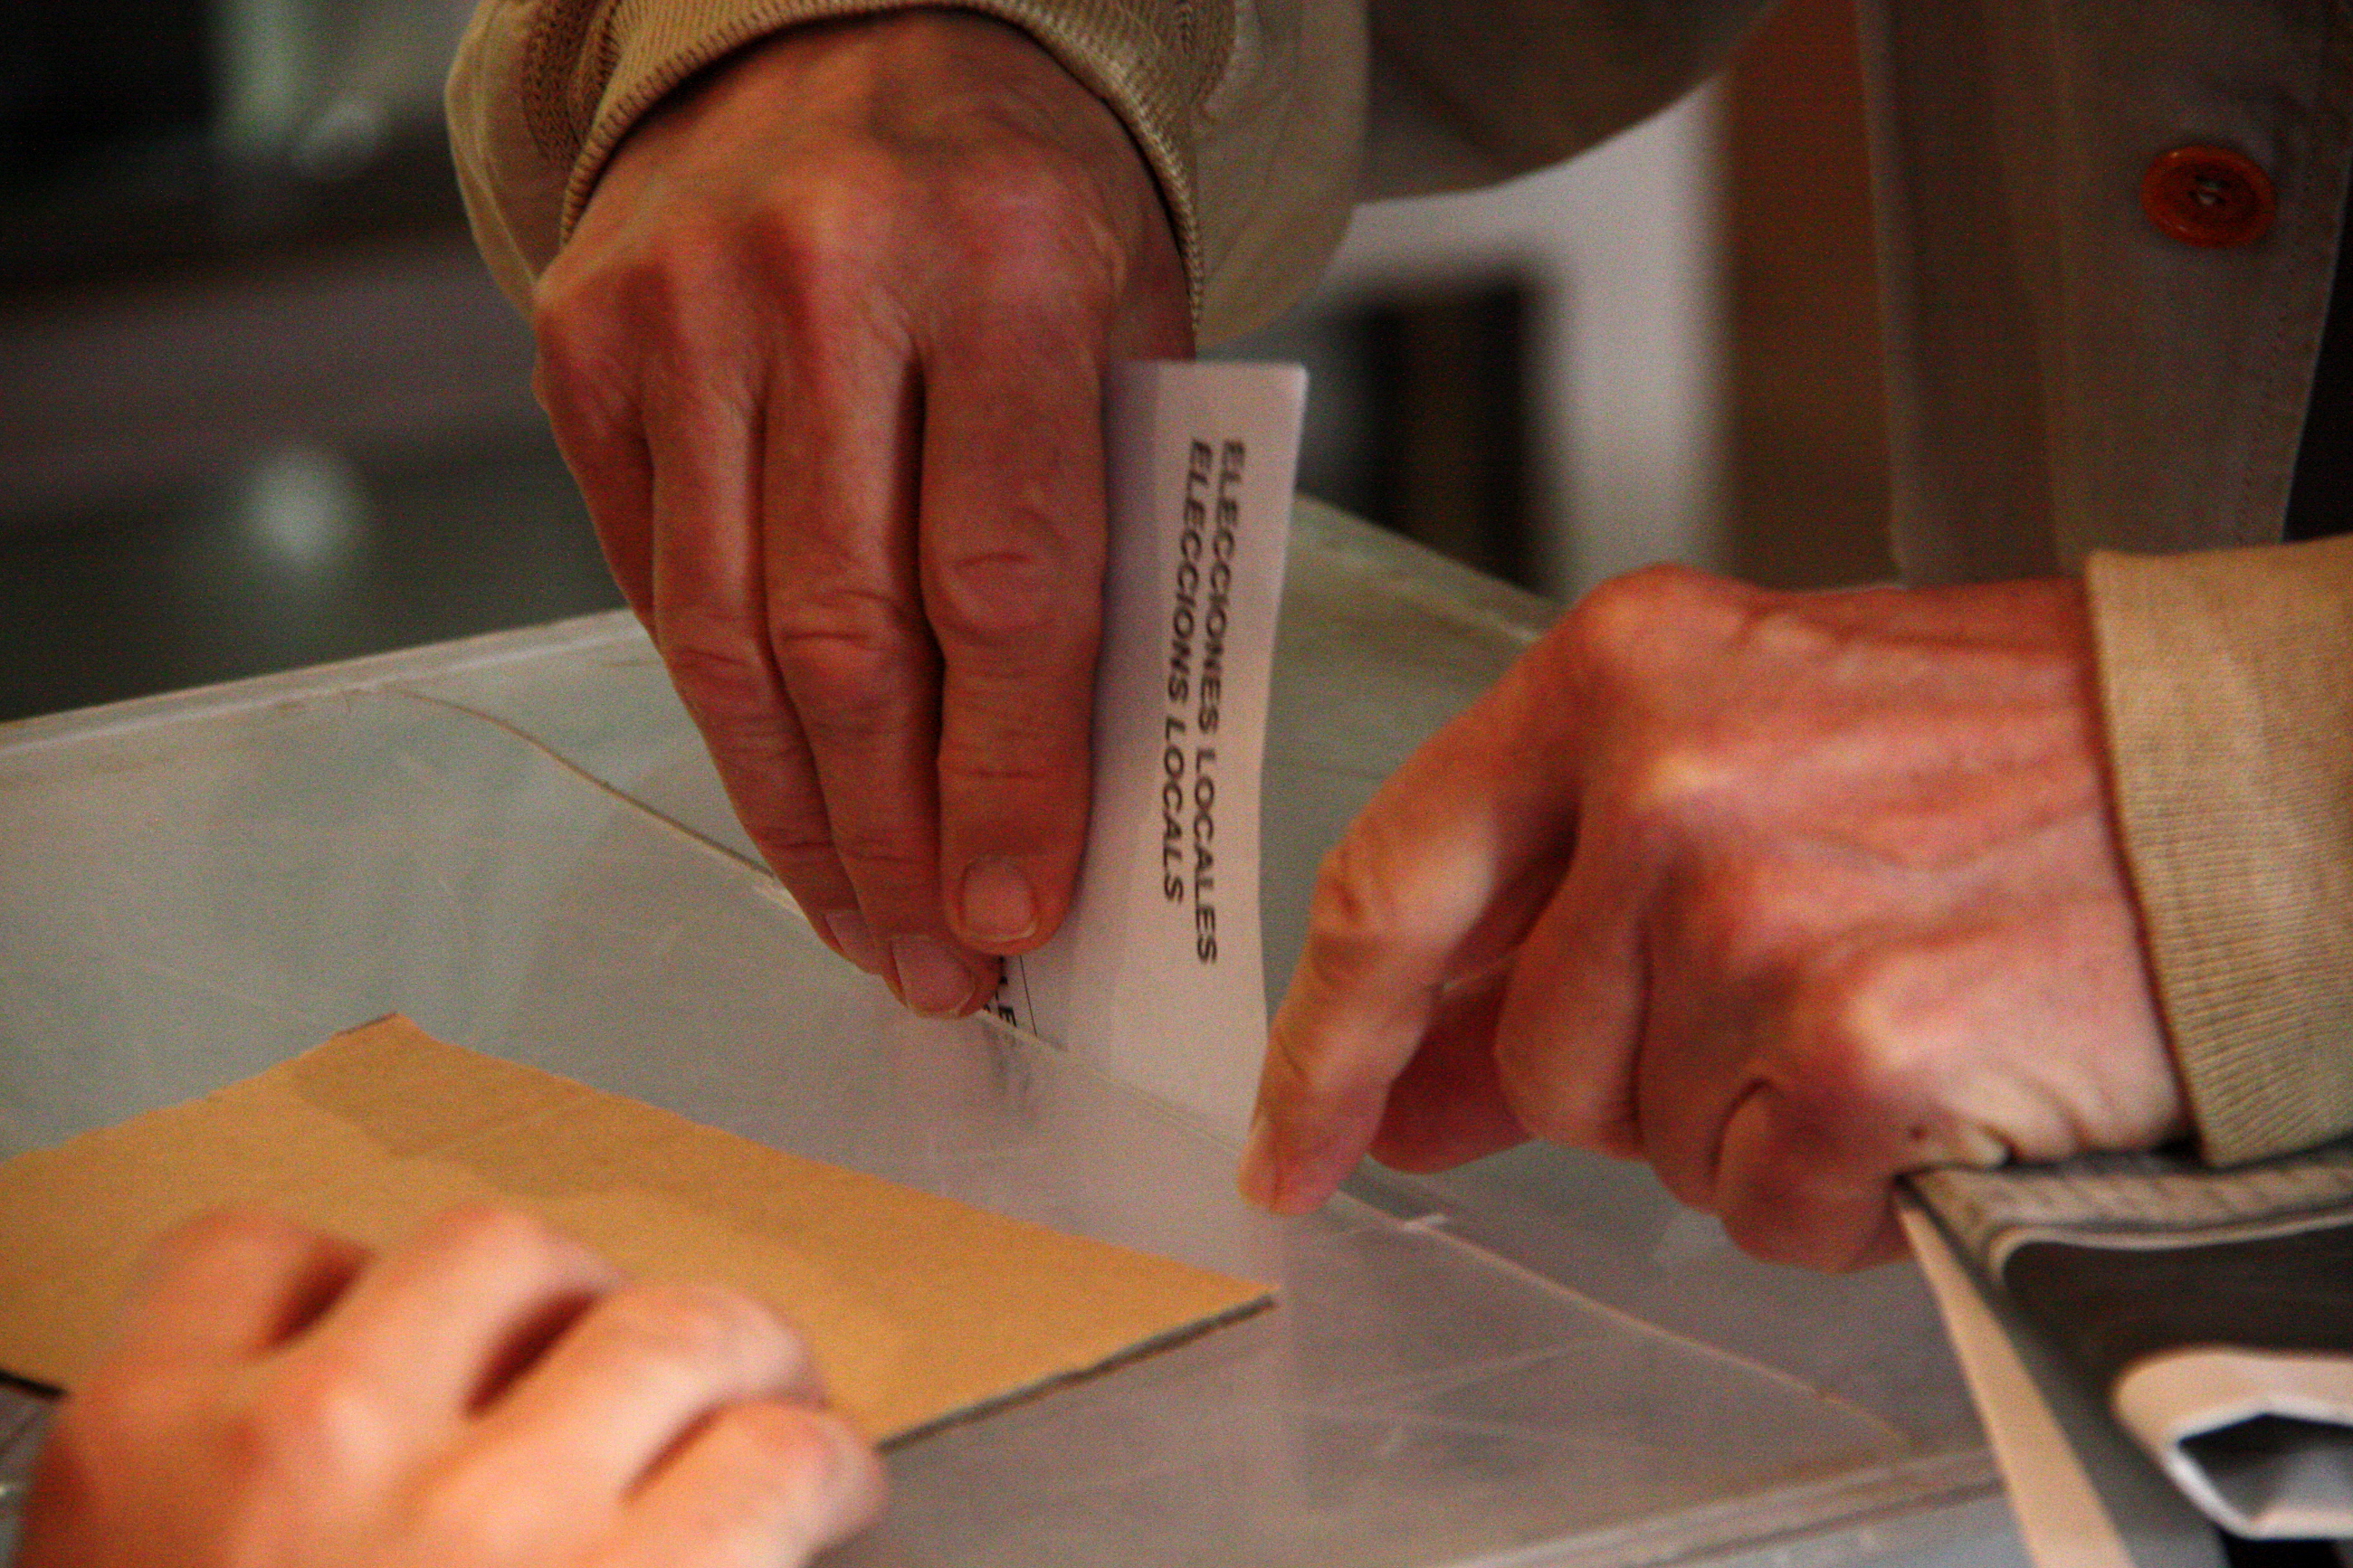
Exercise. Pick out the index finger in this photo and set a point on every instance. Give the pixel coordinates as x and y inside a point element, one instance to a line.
<point>1439,875</point>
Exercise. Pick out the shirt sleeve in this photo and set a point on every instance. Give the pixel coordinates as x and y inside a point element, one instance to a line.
<point>2227,682</point>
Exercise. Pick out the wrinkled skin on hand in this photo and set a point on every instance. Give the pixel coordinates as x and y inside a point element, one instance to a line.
<point>825,354</point>
<point>1786,894</point>
<point>491,1395</point>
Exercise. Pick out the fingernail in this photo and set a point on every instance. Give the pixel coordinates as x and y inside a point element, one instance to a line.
<point>930,979</point>
<point>1260,1180</point>
<point>855,940</point>
<point>998,903</point>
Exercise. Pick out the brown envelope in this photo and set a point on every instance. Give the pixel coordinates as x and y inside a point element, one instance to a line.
<point>919,1309</point>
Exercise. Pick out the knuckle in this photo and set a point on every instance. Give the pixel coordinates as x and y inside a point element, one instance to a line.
<point>699,1328</point>
<point>1546,1107</point>
<point>1680,786</point>
<point>567,312</point>
<point>656,280</point>
<point>1018,201</point>
<point>243,1232</point>
<point>1297,1074</point>
<point>720,675</point>
<point>504,1247</point>
<point>1767,1229</point>
<point>664,324</point>
<point>1025,174</point>
<point>582,384</point>
<point>663,330</point>
<point>574,386</point>
<point>794,839</point>
<point>782,1444</point>
<point>846,658</point>
<point>1345,922</point>
<point>1356,911</point>
<point>1736,918</point>
<point>1021,760</point>
<point>1536,1108</point>
<point>821,1482</point>
<point>1008,604</point>
<point>1381,901</point>
<point>1788,631</point>
<point>845,678</point>
<point>317,1419</point>
<point>566,321</point>
<point>1632,601</point>
<point>1012,774</point>
<point>1845,1040</point>
<point>820,236</point>
<point>881,858</point>
<point>1619,636</point>
<point>828,252</point>
<point>803,856</point>
<point>1786,1215</point>
<point>494,1233</point>
<point>1619,616</point>
<point>691,261</point>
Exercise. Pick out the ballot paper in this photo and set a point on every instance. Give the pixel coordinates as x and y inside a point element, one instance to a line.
<point>918,1310</point>
<point>2206,1316</point>
<point>1156,976</point>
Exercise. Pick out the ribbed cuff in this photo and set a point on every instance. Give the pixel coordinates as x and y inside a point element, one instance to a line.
<point>2227,682</point>
<point>1153,63</point>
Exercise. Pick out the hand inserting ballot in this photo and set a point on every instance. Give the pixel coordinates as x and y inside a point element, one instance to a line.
<point>1786,894</point>
<point>826,354</point>
<point>489,1395</point>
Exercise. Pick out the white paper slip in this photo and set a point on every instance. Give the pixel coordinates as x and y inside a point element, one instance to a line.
<point>2083,1497</point>
<point>1156,976</point>
<point>2206,1311</point>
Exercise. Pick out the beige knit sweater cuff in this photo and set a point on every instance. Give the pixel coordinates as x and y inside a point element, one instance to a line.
<point>544,90</point>
<point>2228,679</point>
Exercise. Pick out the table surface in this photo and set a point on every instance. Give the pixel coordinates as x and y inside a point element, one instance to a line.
<point>518,841</point>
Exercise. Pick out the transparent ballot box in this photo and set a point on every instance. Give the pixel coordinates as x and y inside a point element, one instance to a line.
<point>518,841</point>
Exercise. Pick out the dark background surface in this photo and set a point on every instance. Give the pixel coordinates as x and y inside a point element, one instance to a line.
<point>263,408</point>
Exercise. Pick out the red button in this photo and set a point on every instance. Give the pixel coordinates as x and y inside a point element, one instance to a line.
<point>2209,195</point>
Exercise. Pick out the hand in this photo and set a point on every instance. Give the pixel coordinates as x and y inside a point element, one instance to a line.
<point>826,355</point>
<point>491,1396</point>
<point>1788,894</point>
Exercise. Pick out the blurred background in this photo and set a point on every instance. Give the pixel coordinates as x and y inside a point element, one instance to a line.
<point>259,405</point>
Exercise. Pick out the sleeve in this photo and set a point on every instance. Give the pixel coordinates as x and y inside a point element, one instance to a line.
<point>1251,113</point>
<point>2227,678</point>
<point>1530,82</point>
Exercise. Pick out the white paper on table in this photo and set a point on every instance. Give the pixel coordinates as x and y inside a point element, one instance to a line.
<point>2292,1478</point>
<point>2261,1440</point>
<point>2084,1496</point>
<point>1157,976</point>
